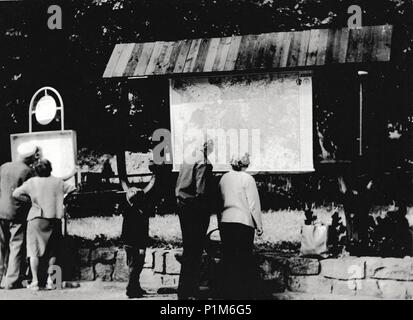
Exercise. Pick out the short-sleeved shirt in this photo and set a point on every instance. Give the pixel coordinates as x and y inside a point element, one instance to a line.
<point>46,194</point>
<point>13,175</point>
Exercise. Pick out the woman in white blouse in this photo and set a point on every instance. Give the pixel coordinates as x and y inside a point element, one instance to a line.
<point>239,218</point>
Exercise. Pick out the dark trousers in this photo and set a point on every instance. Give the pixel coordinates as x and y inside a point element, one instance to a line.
<point>135,259</point>
<point>238,267</point>
<point>12,252</point>
<point>194,220</point>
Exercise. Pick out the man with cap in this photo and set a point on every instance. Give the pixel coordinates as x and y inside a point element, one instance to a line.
<point>13,214</point>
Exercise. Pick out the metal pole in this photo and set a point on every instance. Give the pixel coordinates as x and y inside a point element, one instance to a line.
<point>361,119</point>
<point>361,75</point>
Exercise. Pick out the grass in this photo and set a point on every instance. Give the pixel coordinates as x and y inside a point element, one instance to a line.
<point>281,228</point>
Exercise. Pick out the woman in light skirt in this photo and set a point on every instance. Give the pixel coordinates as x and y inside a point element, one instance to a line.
<point>44,224</point>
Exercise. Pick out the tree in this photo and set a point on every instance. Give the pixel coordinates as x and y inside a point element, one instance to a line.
<point>73,59</point>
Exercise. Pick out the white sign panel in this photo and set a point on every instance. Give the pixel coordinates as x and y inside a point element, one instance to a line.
<point>267,115</point>
<point>59,147</point>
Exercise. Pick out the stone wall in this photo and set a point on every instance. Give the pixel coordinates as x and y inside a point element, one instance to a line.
<point>390,278</point>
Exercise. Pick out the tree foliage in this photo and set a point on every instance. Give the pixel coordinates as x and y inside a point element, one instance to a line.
<point>73,59</point>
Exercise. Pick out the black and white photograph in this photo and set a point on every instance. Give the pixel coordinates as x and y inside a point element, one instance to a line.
<point>219,151</point>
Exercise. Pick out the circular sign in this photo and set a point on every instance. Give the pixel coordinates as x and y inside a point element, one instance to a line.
<point>45,110</point>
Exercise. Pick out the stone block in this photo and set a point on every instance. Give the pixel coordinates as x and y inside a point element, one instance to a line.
<point>390,269</point>
<point>172,266</point>
<point>368,287</point>
<point>171,281</point>
<point>84,257</point>
<point>343,269</point>
<point>303,266</point>
<point>86,274</point>
<point>104,255</point>
<point>345,287</point>
<point>391,289</point>
<point>121,270</point>
<point>159,261</point>
<point>149,259</point>
<point>409,290</point>
<point>310,284</point>
<point>272,267</point>
<point>104,272</point>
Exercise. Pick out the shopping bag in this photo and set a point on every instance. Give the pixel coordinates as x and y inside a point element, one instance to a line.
<point>314,240</point>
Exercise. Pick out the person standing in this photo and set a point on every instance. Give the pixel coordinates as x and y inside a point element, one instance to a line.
<point>240,216</point>
<point>192,192</point>
<point>13,215</point>
<point>135,231</point>
<point>44,226</point>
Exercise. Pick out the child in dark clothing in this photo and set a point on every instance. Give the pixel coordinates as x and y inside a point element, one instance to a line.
<point>135,235</point>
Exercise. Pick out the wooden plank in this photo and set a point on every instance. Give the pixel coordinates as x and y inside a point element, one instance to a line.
<point>384,45</point>
<point>293,51</point>
<point>264,51</point>
<point>174,56</point>
<point>156,52</point>
<point>271,49</point>
<point>113,60</point>
<point>212,52</point>
<point>333,41</point>
<point>233,53</point>
<point>241,61</point>
<point>183,53</point>
<point>164,57</point>
<point>302,54</point>
<point>191,58</point>
<point>354,44</point>
<point>259,51</point>
<point>343,45</point>
<point>312,48</point>
<point>368,45</point>
<point>202,55</point>
<point>285,49</point>
<point>280,41</point>
<point>133,60</point>
<point>144,59</point>
<point>322,47</point>
<point>222,54</point>
<point>123,60</point>
<point>251,49</point>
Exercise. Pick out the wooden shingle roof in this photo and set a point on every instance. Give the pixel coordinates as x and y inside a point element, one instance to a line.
<point>265,51</point>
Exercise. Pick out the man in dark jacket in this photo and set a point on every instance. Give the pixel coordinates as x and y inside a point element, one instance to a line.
<point>192,190</point>
<point>13,214</point>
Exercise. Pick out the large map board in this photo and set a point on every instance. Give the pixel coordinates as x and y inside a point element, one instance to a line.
<point>267,115</point>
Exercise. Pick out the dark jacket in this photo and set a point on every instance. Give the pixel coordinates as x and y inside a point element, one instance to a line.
<point>12,175</point>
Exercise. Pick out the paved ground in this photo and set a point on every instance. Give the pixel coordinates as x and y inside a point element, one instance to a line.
<point>98,290</point>
<point>87,291</point>
<point>90,290</point>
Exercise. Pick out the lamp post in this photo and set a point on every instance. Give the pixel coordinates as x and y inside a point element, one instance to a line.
<point>46,107</point>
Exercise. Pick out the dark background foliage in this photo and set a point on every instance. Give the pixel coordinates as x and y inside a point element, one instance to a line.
<point>73,59</point>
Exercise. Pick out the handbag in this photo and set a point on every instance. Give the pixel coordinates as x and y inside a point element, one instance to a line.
<point>314,240</point>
